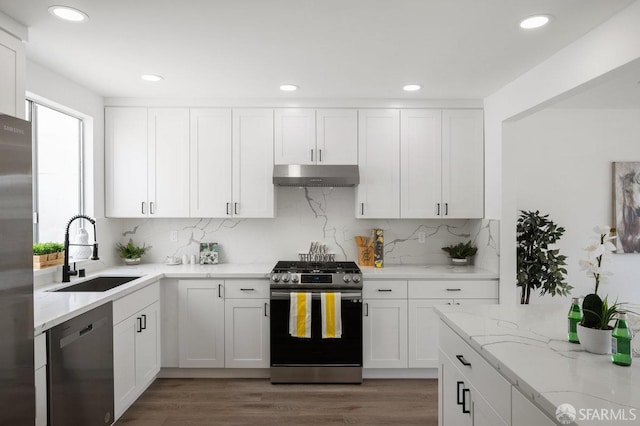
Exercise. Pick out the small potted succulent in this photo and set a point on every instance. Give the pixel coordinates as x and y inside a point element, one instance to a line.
<point>47,254</point>
<point>461,253</point>
<point>131,253</point>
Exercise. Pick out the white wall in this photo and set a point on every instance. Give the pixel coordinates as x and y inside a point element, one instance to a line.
<point>607,47</point>
<point>564,168</point>
<point>55,90</point>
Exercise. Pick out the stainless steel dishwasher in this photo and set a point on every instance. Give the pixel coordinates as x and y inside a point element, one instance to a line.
<point>81,370</point>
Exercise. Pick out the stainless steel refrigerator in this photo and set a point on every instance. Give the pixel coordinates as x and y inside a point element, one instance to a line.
<point>17,393</point>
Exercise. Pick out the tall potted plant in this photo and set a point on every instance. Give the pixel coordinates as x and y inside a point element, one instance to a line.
<point>539,266</point>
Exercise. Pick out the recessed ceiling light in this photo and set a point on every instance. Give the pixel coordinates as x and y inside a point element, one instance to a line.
<point>535,21</point>
<point>289,87</point>
<point>68,13</point>
<point>411,87</point>
<point>151,77</point>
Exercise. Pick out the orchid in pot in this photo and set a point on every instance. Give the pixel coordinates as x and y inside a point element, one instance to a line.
<point>594,331</point>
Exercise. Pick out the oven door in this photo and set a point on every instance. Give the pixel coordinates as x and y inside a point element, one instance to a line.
<point>316,351</point>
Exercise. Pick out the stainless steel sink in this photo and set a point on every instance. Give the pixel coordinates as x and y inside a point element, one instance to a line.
<point>98,284</point>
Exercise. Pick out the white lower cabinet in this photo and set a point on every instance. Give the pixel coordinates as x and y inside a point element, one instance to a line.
<point>40,366</point>
<point>136,345</point>
<point>385,333</point>
<point>246,333</point>
<point>524,413</point>
<point>201,323</point>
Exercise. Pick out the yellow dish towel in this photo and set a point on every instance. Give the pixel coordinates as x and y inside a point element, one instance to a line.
<point>331,317</point>
<point>300,315</point>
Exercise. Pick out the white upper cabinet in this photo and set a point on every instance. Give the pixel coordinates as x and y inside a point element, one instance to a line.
<point>463,164</point>
<point>12,75</point>
<point>169,162</point>
<point>442,164</point>
<point>211,172</point>
<point>323,136</point>
<point>337,136</point>
<point>295,136</point>
<point>378,195</point>
<point>126,168</point>
<point>253,193</point>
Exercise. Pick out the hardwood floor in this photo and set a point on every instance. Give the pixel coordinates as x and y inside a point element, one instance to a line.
<point>191,402</point>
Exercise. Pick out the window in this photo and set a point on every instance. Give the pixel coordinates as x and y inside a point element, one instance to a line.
<point>57,171</point>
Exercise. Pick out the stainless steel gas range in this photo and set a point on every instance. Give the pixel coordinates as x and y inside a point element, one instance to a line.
<point>314,359</point>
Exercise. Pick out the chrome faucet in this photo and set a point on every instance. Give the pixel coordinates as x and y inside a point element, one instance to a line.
<point>66,268</point>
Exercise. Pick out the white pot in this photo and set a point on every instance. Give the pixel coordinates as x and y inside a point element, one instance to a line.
<point>594,340</point>
<point>459,262</point>
<point>135,261</point>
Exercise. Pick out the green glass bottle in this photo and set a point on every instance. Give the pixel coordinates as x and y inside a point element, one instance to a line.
<point>575,316</point>
<point>621,341</point>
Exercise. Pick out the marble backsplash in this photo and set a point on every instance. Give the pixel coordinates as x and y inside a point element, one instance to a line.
<point>303,215</point>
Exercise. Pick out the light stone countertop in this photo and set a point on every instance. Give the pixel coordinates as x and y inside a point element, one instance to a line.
<point>528,345</point>
<point>52,308</point>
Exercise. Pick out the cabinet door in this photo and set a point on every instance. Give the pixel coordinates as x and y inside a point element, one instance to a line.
<point>453,400</point>
<point>169,162</point>
<point>421,164</point>
<point>378,195</point>
<point>12,72</point>
<point>337,136</point>
<point>385,333</point>
<point>253,163</point>
<point>148,345</point>
<point>483,414</point>
<point>211,158</point>
<point>524,413</point>
<point>246,333</point>
<point>295,136</point>
<point>126,168</point>
<point>201,323</point>
<point>124,364</point>
<point>423,332</point>
<point>463,164</point>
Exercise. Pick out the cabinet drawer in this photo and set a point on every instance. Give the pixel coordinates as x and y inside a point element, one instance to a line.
<point>246,289</point>
<point>129,305</point>
<point>40,351</point>
<point>384,290</point>
<point>493,387</point>
<point>458,289</point>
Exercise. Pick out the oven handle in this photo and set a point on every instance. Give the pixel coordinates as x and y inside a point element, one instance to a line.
<point>286,295</point>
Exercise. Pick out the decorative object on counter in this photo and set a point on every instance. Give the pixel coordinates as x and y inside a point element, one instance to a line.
<point>365,250</point>
<point>172,260</point>
<point>621,341</point>
<point>575,316</point>
<point>317,253</point>
<point>594,330</point>
<point>81,249</point>
<point>131,253</point>
<point>538,265</point>
<point>461,253</point>
<point>185,259</point>
<point>626,195</point>
<point>378,248</point>
<point>47,254</point>
<point>208,253</point>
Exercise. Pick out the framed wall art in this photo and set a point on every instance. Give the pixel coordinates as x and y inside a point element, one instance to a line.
<point>626,205</point>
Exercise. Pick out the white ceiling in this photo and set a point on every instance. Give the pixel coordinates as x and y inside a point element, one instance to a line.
<point>457,49</point>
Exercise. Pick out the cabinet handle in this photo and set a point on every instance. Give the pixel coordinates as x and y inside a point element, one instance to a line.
<point>457,303</point>
<point>366,310</point>
<point>384,290</point>
<point>139,321</point>
<point>143,203</point>
<point>448,303</point>
<point>362,209</point>
<point>312,156</point>
<point>446,209</point>
<point>266,306</point>
<point>454,289</point>
<point>320,156</point>
<point>247,289</point>
<point>219,290</point>
<point>464,400</point>
<point>460,397</point>
<point>144,322</point>
<point>463,361</point>
<point>228,205</point>
<point>151,207</point>
<point>438,209</point>
<point>235,208</point>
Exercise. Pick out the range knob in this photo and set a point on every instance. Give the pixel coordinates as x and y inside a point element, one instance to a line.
<point>285,278</point>
<point>356,279</point>
<point>294,279</point>
<point>275,278</point>
<point>346,278</point>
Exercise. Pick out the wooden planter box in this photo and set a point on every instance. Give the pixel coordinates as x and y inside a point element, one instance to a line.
<point>47,260</point>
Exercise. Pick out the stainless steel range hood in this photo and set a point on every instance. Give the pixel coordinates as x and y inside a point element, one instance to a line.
<point>315,175</point>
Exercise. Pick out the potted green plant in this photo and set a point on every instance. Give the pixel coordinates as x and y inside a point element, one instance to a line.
<point>47,254</point>
<point>461,253</point>
<point>538,265</point>
<point>131,253</point>
<point>594,331</point>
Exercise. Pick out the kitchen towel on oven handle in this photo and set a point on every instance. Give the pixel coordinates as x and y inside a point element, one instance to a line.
<point>331,317</point>
<point>300,315</point>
